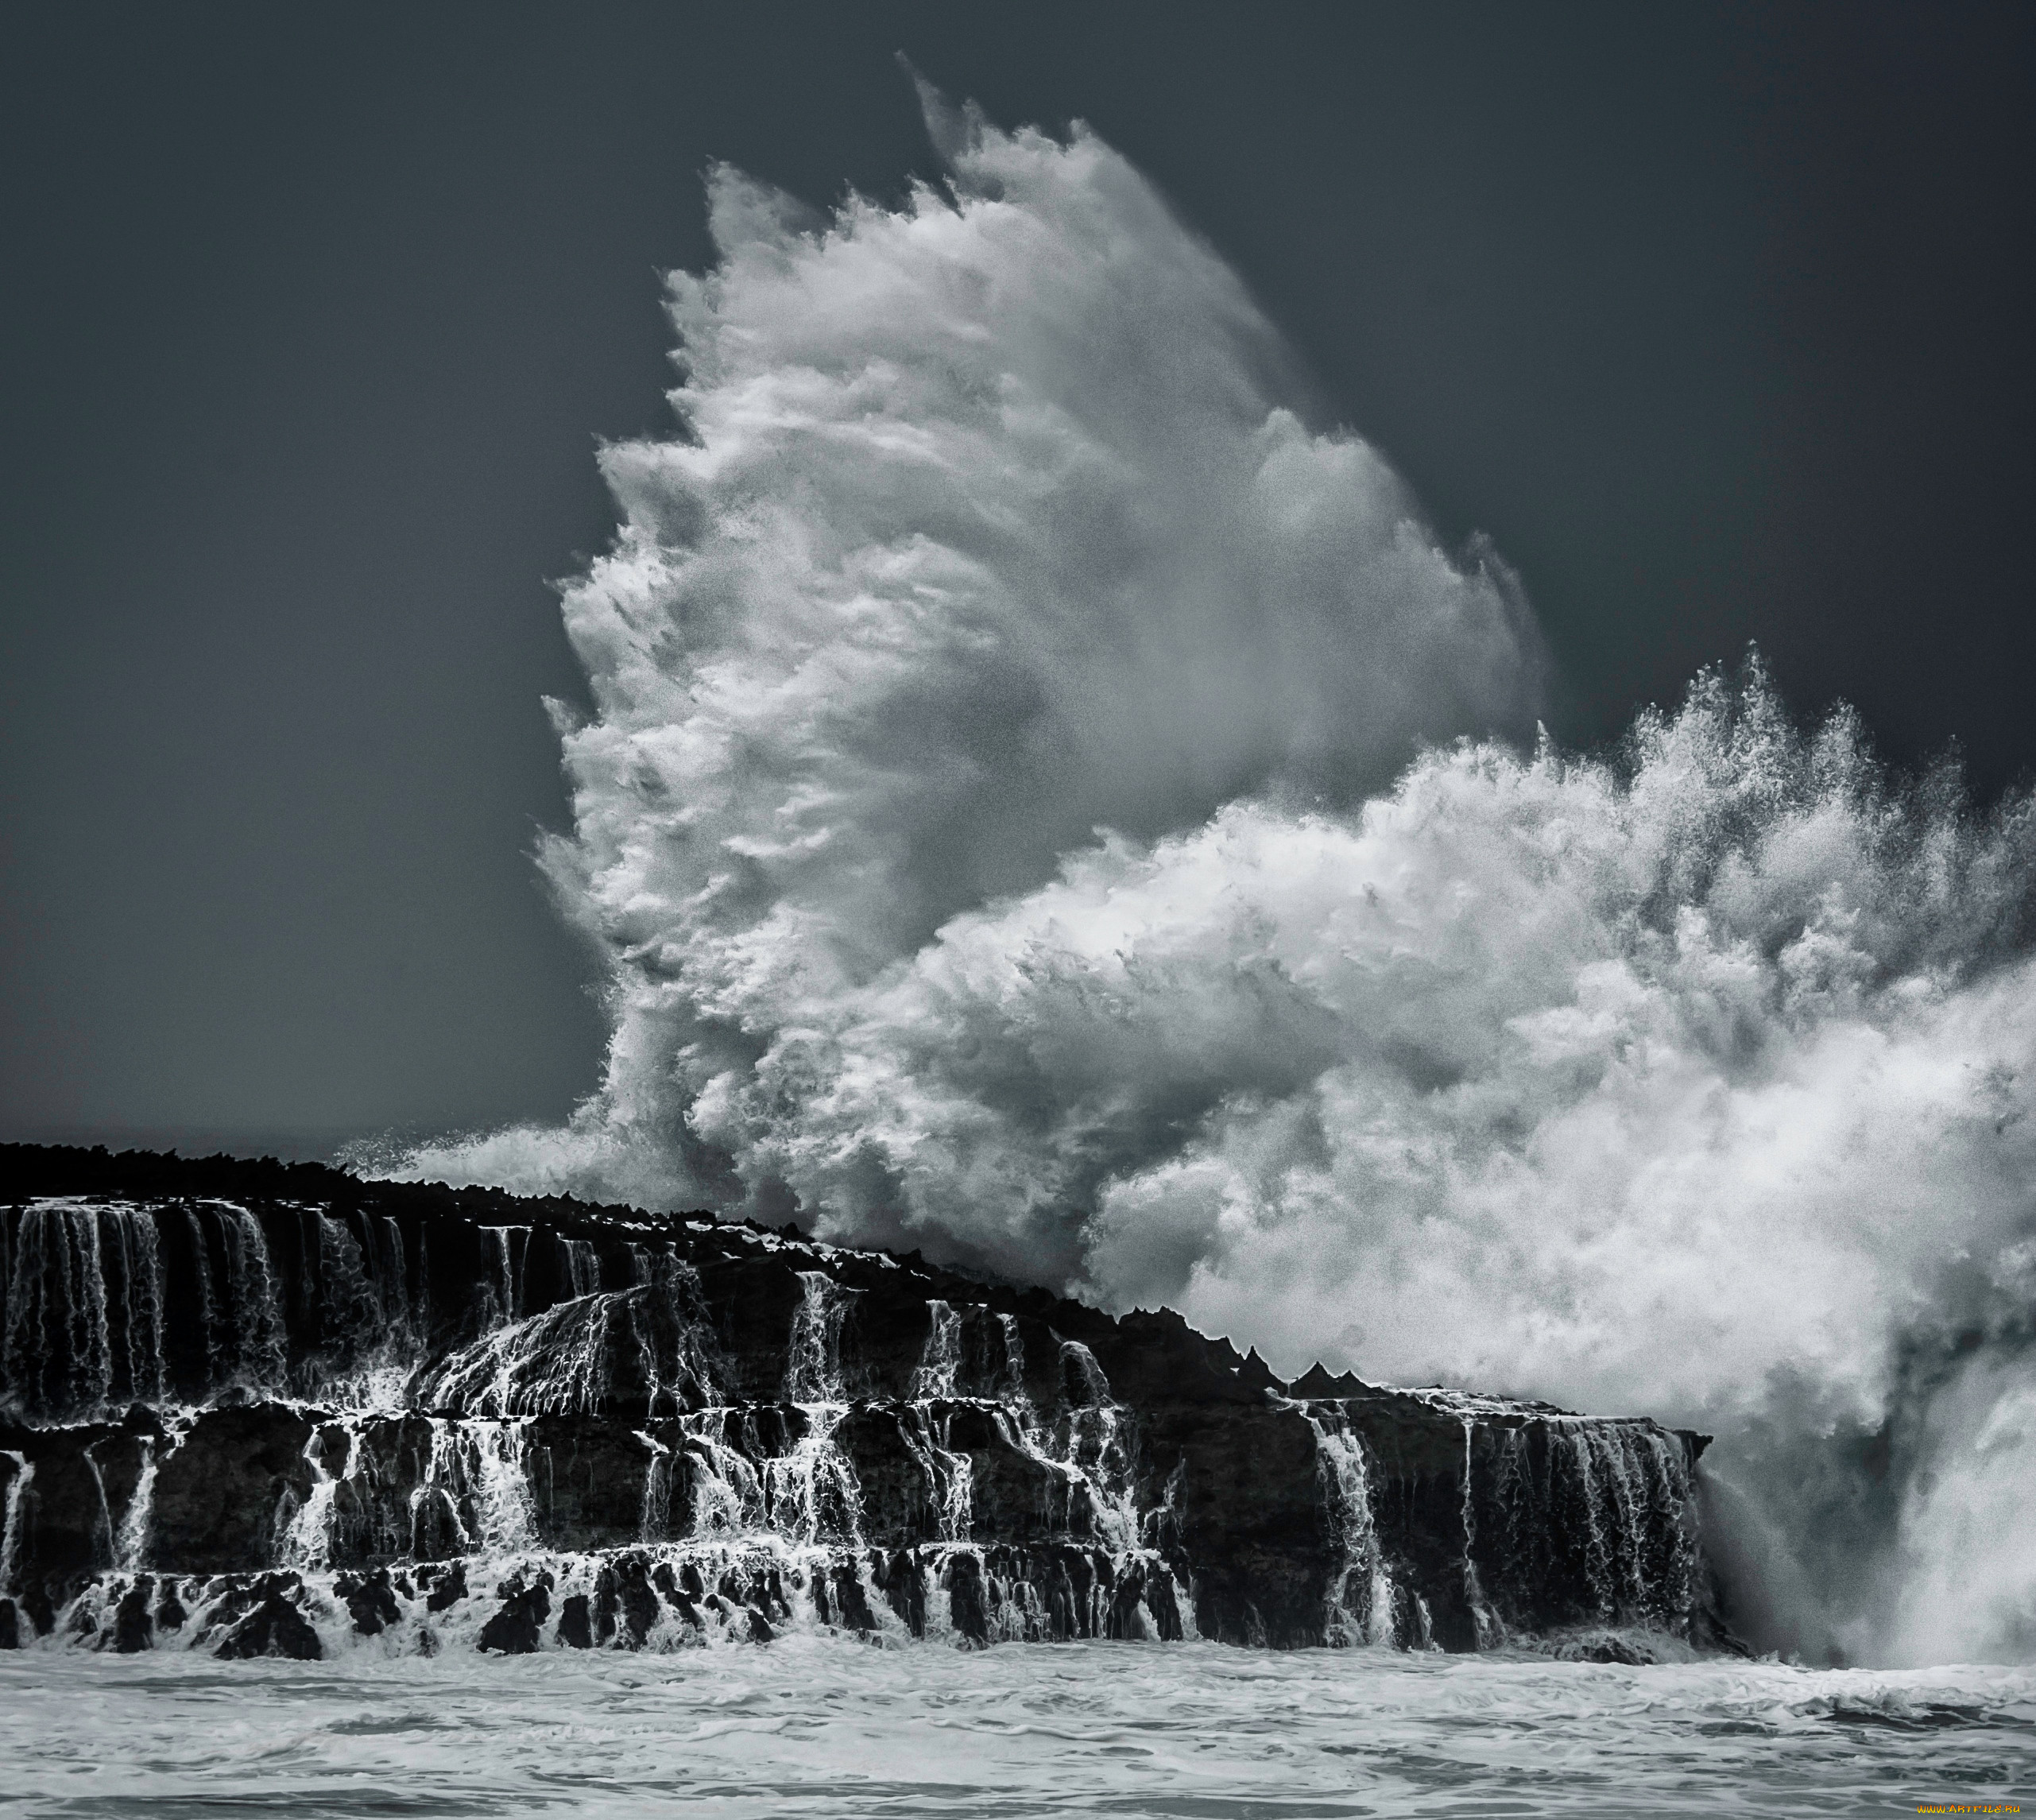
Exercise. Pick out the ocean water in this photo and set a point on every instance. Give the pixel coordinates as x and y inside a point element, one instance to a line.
<point>812,1726</point>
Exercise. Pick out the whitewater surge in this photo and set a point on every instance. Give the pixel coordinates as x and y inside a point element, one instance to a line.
<point>1046,804</point>
<point>820,1728</point>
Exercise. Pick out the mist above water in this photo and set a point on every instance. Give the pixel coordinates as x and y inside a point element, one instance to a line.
<point>1047,804</point>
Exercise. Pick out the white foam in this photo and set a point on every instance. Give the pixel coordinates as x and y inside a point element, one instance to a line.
<point>988,689</point>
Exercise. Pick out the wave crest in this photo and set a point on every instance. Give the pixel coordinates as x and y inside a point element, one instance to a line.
<point>998,821</point>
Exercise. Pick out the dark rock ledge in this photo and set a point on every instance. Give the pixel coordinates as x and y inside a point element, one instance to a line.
<point>271,1409</point>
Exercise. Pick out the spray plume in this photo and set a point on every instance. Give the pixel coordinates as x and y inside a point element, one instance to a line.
<point>1020,820</point>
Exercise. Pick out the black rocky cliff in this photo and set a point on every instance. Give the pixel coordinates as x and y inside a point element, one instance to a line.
<point>266,1408</point>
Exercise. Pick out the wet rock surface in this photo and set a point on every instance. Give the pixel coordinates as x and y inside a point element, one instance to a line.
<point>369,1599</point>
<point>518,1628</point>
<point>262,1617</point>
<point>287,1391</point>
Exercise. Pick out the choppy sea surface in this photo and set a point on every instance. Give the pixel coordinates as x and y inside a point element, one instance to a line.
<point>817,1727</point>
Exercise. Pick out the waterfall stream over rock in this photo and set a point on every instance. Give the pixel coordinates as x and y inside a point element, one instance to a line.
<point>265,1409</point>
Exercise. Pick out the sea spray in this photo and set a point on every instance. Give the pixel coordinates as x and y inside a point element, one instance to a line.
<point>989,814</point>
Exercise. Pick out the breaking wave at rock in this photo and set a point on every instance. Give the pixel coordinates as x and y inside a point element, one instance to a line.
<point>1019,818</point>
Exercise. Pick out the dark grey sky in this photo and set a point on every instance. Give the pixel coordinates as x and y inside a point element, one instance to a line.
<point>1717,319</point>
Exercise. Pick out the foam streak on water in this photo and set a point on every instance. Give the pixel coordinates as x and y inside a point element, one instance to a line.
<point>820,1728</point>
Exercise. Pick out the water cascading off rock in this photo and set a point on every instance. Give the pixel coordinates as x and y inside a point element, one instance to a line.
<point>267,1409</point>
